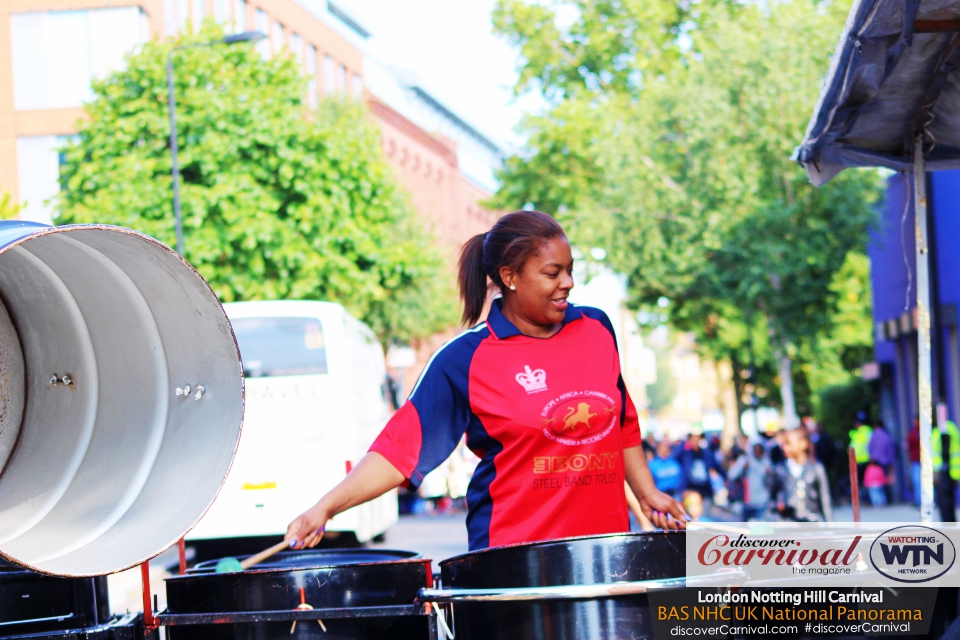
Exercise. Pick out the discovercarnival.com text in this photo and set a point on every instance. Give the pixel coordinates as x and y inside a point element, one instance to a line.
<point>724,630</point>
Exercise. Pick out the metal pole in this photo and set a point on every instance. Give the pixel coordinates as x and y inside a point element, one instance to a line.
<point>182,552</point>
<point>854,484</point>
<point>924,368</point>
<point>172,103</point>
<point>148,619</point>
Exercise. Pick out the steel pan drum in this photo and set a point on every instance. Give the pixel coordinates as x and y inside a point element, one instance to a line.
<point>38,606</point>
<point>571,561</point>
<point>330,578</point>
<point>106,457</point>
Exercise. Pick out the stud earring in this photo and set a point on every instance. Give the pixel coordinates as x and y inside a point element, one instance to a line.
<point>513,288</point>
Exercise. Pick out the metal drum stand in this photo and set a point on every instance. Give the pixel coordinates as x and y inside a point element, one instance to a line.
<point>334,594</point>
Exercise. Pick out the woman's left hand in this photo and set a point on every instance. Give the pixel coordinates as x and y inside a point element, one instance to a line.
<point>663,511</point>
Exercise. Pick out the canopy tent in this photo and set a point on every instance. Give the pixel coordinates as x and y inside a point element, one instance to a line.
<point>890,100</point>
<point>890,77</point>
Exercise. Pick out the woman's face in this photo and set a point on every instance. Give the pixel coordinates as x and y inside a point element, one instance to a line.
<point>543,283</point>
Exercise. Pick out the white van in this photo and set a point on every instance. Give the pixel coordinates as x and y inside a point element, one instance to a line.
<point>316,398</point>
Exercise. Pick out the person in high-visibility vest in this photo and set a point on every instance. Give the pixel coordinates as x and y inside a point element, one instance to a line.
<point>936,453</point>
<point>860,441</point>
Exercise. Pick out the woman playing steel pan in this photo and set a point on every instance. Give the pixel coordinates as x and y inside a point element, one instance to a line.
<point>538,391</point>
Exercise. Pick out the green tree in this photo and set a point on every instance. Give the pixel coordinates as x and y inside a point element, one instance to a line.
<point>681,162</point>
<point>8,208</point>
<point>277,201</point>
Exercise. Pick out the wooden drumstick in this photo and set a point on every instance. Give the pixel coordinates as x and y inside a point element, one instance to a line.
<point>263,555</point>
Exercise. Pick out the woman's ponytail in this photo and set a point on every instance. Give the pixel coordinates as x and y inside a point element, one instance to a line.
<point>472,279</point>
<point>514,238</point>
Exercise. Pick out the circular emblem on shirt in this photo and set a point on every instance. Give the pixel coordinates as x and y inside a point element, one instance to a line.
<point>579,417</point>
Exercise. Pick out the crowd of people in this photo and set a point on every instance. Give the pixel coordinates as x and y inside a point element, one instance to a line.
<point>781,476</point>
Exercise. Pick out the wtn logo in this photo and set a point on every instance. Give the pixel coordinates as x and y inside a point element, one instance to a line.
<point>900,554</point>
<point>912,553</point>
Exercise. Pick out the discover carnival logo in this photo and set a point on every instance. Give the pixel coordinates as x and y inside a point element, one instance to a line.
<point>771,552</point>
<point>912,553</point>
<point>792,554</point>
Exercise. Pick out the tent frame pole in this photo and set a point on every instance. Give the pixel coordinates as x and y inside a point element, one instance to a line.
<point>924,317</point>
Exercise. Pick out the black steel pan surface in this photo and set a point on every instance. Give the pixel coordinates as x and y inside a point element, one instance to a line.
<point>330,578</point>
<point>571,561</point>
<point>33,603</point>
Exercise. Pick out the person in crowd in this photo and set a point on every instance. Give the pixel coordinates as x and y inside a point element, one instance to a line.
<point>800,485</point>
<point>666,471</point>
<point>824,447</point>
<point>881,451</point>
<point>774,444</point>
<point>533,387</point>
<point>936,450</point>
<point>739,447</point>
<point>913,453</point>
<point>754,470</point>
<point>693,503</point>
<point>698,463</point>
<point>860,441</point>
<point>649,452</point>
<point>875,482</point>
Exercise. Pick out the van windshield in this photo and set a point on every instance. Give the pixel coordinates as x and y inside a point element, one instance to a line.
<point>280,346</point>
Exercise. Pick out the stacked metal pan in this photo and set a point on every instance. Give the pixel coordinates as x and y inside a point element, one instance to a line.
<point>38,606</point>
<point>561,589</point>
<point>334,594</point>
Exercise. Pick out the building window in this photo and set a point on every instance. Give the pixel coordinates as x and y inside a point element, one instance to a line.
<point>38,175</point>
<point>296,47</point>
<point>221,11</point>
<point>341,78</point>
<point>277,37</point>
<point>239,16</point>
<point>357,86</point>
<point>329,77</point>
<point>262,23</point>
<point>199,11</point>
<point>175,15</point>
<point>183,14</point>
<point>311,68</point>
<point>56,54</point>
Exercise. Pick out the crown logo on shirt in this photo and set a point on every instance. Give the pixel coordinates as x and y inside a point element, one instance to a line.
<point>532,380</point>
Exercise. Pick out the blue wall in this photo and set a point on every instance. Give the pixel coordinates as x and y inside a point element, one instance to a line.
<point>888,272</point>
<point>946,207</point>
<point>892,248</point>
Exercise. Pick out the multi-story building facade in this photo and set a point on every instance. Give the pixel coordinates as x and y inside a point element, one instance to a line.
<point>50,50</point>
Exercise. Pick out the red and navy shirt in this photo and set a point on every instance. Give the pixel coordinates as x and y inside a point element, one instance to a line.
<point>548,418</point>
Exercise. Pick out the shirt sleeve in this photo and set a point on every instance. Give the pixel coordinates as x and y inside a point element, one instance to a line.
<point>630,426</point>
<point>430,424</point>
<point>629,421</point>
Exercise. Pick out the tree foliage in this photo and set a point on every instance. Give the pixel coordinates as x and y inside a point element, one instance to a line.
<point>667,139</point>
<point>278,202</point>
<point>8,208</point>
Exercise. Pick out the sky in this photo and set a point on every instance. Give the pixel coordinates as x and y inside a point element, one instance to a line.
<point>450,46</point>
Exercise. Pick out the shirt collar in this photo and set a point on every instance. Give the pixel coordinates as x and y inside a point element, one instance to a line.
<point>503,328</point>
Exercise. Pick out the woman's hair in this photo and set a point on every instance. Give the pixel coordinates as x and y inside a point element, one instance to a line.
<point>514,238</point>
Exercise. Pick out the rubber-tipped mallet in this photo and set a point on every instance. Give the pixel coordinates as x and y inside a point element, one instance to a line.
<point>232,565</point>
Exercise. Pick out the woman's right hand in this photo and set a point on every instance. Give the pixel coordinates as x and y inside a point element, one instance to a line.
<point>372,477</point>
<point>307,529</point>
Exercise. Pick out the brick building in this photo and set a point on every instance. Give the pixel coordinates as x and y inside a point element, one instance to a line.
<point>51,49</point>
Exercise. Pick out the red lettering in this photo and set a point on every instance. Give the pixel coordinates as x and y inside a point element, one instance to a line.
<point>853,547</point>
<point>721,541</point>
